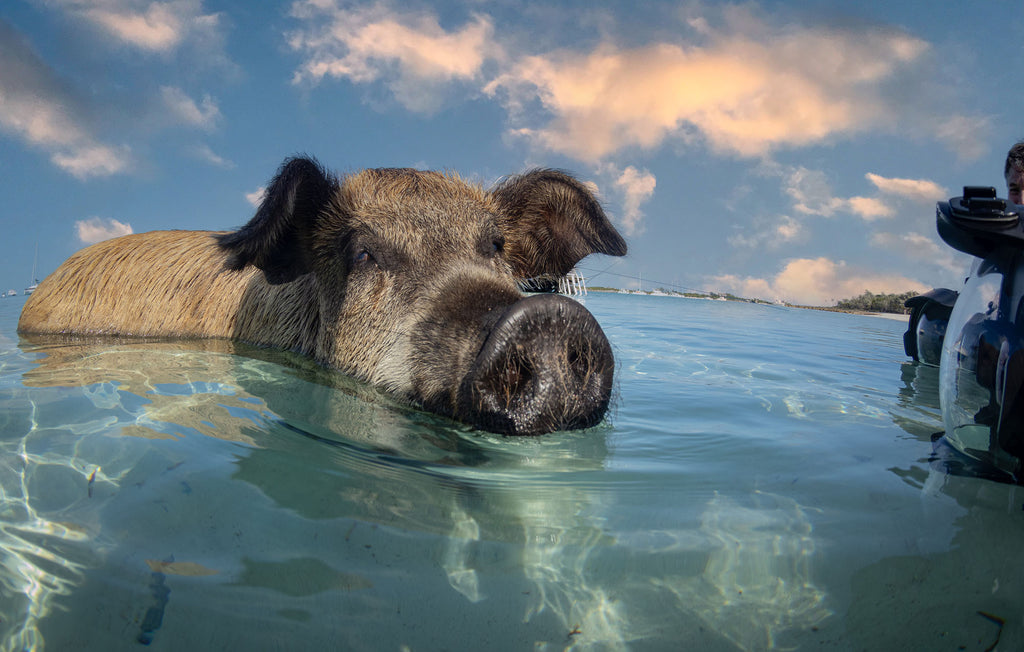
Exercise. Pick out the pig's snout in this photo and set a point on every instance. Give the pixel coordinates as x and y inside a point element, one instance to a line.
<point>545,366</point>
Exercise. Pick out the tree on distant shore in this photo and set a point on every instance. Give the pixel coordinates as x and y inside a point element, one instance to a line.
<point>871,302</point>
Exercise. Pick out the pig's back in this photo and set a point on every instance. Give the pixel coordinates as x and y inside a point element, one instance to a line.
<point>162,283</point>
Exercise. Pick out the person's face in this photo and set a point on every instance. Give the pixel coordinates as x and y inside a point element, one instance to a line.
<point>1015,185</point>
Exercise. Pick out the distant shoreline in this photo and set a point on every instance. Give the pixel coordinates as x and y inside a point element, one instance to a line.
<point>896,316</point>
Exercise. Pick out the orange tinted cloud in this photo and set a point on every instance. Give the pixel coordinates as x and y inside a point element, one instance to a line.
<point>744,95</point>
<point>914,189</point>
<point>746,88</point>
<point>157,29</point>
<point>816,282</point>
<point>869,208</point>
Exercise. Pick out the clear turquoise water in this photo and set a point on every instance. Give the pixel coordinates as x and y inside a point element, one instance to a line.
<point>765,481</point>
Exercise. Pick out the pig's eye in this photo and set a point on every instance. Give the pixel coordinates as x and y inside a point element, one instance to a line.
<point>363,257</point>
<point>496,247</point>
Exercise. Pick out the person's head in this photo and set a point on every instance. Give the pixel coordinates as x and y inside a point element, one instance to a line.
<point>1013,172</point>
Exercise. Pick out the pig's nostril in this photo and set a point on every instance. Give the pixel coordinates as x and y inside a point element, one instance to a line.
<point>572,357</point>
<point>581,361</point>
<point>518,374</point>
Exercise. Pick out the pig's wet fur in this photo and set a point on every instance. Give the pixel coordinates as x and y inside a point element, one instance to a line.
<point>401,278</point>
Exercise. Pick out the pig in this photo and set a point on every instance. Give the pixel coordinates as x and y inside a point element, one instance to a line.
<point>402,278</point>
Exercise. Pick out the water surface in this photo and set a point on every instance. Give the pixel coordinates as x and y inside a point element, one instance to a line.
<point>765,480</point>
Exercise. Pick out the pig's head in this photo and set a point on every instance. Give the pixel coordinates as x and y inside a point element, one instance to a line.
<point>414,277</point>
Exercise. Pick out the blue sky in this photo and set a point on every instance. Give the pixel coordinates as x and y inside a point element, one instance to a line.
<point>781,150</point>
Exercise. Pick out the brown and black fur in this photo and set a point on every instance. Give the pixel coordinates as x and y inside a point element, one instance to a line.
<point>394,276</point>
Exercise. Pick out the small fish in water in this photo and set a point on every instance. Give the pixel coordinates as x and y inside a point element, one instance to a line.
<point>92,479</point>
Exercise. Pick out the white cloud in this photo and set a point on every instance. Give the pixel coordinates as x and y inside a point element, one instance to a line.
<point>637,187</point>
<point>183,109</point>
<point>919,190</point>
<point>964,134</point>
<point>150,26</point>
<point>918,247</point>
<point>411,51</point>
<point>785,230</point>
<point>256,197</point>
<point>38,107</point>
<point>204,153</point>
<point>788,229</point>
<point>630,188</point>
<point>97,229</point>
<point>92,160</point>
<point>815,282</point>
<point>47,112</point>
<point>811,192</point>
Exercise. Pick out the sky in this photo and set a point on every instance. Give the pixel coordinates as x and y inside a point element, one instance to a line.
<point>788,151</point>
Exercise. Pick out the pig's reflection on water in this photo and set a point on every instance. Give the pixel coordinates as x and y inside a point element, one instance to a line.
<point>482,524</point>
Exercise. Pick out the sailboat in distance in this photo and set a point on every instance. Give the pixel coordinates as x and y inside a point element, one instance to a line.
<point>35,282</point>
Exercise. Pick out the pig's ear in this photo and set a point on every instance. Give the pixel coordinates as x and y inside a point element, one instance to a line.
<point>277,239</point>
<point>552,221</point>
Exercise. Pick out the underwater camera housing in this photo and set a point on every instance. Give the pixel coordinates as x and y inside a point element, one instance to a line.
<point>929,315</point>
<point>981,367</point>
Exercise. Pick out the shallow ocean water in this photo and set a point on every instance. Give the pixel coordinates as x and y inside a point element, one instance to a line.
<point>765,480</point>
